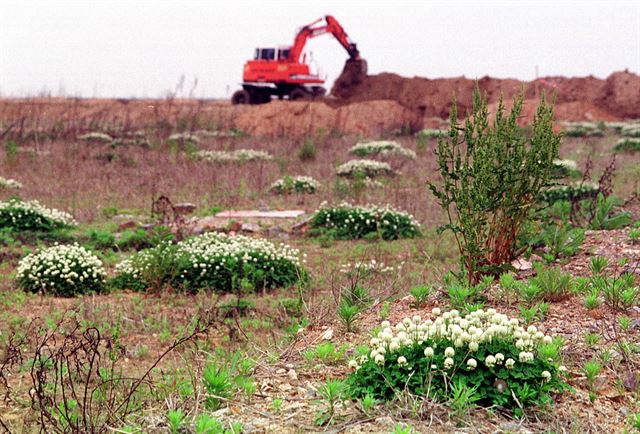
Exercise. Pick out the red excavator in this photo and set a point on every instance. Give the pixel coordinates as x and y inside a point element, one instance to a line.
<point>283,72</point>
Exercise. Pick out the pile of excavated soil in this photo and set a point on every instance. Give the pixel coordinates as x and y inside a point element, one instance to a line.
<point>617,97</point>
<point>365,105</point>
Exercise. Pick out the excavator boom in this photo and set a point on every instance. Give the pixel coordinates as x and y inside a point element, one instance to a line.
<point>312,30</point>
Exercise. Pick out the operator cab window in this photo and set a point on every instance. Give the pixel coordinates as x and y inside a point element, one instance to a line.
<point>268,53</point>
<point>283,54</point>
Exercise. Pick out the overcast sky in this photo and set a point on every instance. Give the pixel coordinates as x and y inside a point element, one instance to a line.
<point>136,48</point>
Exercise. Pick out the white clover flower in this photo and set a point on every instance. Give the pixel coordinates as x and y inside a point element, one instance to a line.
<point>353,364</point>
<point>547,339</point>
<point>402,361</point>
<point>385,324</point>
<point>472,364</point>
<point>436,311</point>
<point>490,361</point>
<point>509,363</point>
<point>448,363</point>
<point>394,346</point>
<point>525,356</point>
<point>546,375</point>
<point>499,358</point>
<point>428,352</point>
<point>562,368</point>
<point>379,359</point>
<point>449,352</point>
<point>374,342</point>
<point>473,346</point>
<point>417,319</point>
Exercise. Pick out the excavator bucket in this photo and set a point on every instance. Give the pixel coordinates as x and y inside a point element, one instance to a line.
<point>353,73</point>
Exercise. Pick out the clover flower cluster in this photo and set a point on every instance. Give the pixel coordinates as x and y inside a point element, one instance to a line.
<point>363,268</point>
<point>96,136</point>
<point>627,144</point>
<point>8,183</point>
<point>582,129</point>
<point>450,333</point>
<point>564,168</point>
<point>382,148</point>
<point>19,214</point>
<point>62,270</point>
<point>183,137</point>
<point>429,133</point>
<point>574,191</point>
<point>214,134</point>
<point>368,168</point>
<point>352,221</point>
<point>239,155</point>
<point>631,130</point>
<point>219,261</point>
<point>295,184</point>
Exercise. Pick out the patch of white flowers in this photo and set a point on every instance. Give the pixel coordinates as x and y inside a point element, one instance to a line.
<point>8,183</point>
<point>363,268</point>
<point>215,252</point>
<point>96,136</point>
<point>215,133</point>
<point>295,184</point>
<point>382,148</point>
<point>62,269</point>
<point>631,130</point>
<point>461,335</point>
<point>429,133</point>
<point>365,215</point>
<point>580,189</point>
<point>16,211</point>
<point>568,165</point>
<point>369,168</point>
<point>183,137</point>
<point>239,155</point>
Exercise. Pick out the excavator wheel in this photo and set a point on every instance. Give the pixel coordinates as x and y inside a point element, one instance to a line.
<point>241,97</point>
<point>298,94</point>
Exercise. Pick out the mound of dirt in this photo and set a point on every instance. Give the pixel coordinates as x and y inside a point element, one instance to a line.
<point>617,97</point>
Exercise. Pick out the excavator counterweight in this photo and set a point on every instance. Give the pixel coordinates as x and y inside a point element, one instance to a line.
<point>283,72</point>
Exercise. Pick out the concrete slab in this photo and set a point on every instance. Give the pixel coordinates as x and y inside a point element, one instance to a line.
<point>234,214</point>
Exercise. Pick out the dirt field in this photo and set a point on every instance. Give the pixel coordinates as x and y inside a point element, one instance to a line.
<point>106,185</point>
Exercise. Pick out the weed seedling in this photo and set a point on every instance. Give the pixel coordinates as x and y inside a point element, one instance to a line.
<point>331,392</point>
<point>175,419</point>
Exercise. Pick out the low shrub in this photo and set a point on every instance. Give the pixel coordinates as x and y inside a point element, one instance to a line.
<point>505,364</point>
<point>353,222</point>
<point>627,145</point>
<point>382,148</point>
<point>363,169</point>
<point>295,184</point>
<point>9,184</point>
<point>183,138</point>
<point>429,133</point>
<point>237,156</point>
<point>565,168</point>
<point>571,192</point>
<point>63,270</point>
<point>582,129</point>
<point>213,261</point>
<point>31,215</point>
<point>631,130</point>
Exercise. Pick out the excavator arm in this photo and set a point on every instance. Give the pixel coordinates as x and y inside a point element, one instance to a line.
<point>312,30</point>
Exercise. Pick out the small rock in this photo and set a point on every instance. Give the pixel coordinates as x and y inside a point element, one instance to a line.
<point>127,225</point>
<point>184,208</point>
<point>289,366</point>
<point>293,376</point>
<point>281,371</point>
<point>521,264</point>
<point>250,227</point>
<point>327,335</point>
